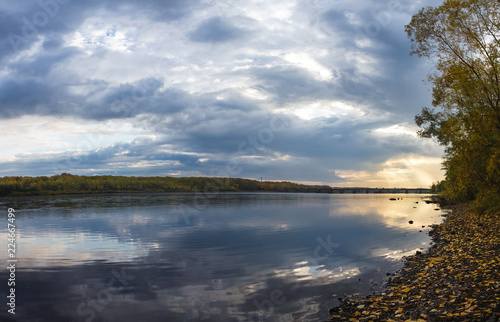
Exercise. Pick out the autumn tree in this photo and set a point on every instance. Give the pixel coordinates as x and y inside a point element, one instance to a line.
<point>462,38</point>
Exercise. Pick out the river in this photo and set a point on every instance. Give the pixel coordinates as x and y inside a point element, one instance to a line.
<point>205,257</point>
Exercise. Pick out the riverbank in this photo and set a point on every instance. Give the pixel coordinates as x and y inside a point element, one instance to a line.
<point>66,183</point>
<point>457,279</point>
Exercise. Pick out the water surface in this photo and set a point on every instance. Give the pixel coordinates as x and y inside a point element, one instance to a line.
<point>213,257</point>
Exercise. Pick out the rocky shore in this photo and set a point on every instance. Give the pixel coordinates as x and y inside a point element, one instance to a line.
<point>457,279</point>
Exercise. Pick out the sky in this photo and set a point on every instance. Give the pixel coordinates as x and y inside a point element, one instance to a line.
<point>311,91</point>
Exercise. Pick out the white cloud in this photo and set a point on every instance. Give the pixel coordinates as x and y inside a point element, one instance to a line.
<point>45,134</point>
<point>303,60</point>
<point>397,129</point>
<point>319,109</point>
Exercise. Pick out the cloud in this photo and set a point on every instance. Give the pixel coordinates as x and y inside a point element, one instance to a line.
<point>215,30</point>
<point>206,81</point>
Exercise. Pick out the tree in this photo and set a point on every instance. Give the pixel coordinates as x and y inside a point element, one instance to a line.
<point>463,38</point>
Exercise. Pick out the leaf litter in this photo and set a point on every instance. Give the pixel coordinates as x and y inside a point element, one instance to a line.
<point>457,279</point>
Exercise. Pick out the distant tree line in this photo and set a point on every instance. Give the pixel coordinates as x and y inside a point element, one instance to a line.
<point>438,187</point>
<point>67,184</point>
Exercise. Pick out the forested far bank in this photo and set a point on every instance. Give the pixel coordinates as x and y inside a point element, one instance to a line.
<point>69,184</point>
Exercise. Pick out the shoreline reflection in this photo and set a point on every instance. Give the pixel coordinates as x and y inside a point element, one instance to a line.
<point>242,257</point>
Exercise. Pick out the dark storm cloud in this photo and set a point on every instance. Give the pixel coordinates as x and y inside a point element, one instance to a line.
<point>377,31</point>
<point>338,146</point>
<point>291,83</point>
<point>32,96</point>
<point>338,21</point>
<point>215,30</point>
<point>21,24</point>
<point>27,97</point>
<point>43,64</point>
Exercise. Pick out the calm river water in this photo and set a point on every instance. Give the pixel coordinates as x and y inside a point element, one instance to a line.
<point>214,257</point>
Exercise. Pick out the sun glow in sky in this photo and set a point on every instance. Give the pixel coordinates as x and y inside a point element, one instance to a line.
<point>307,91</point>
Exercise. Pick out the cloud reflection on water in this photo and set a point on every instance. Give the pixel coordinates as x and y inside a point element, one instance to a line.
<point>224,265</point>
